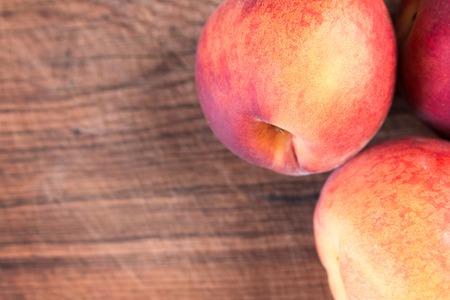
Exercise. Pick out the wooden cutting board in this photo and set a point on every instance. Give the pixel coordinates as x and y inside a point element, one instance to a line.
<point>112,186</point>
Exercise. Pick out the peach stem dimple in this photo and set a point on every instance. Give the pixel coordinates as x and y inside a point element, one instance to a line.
<point>280,130</point>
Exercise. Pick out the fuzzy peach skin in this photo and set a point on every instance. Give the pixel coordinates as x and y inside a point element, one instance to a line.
<point>423,30</point>
<point>382,223</point>
<point>296,86</point>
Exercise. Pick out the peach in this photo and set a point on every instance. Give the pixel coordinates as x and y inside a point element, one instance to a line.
<point>382,222</point>
<point>423,30</point>
<point>295,86</point>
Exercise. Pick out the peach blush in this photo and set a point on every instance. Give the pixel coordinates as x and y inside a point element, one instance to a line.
<point>382,222</point>
<point>298,87</point>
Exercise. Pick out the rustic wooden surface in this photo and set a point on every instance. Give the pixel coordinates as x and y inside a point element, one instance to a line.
<point>112,186</point>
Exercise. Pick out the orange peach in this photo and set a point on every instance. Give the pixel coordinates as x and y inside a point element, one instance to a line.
<point>423,29</point>
<point>382,223</point>
<point>295,86</point>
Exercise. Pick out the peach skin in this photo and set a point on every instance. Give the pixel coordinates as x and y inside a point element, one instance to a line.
<point>294,86</point>
<point>423,31</point>
<point>382,222</point>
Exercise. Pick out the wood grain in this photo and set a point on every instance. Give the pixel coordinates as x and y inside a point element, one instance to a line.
<point>112,186</point>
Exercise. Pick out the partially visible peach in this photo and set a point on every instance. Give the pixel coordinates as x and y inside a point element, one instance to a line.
<point>295,86</point>
<point>423,30</point>
<point>382,223</point>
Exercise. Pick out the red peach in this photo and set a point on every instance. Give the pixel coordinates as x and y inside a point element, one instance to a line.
<point>295,86</point>
<point>423,30</point>
<point>382,223</point>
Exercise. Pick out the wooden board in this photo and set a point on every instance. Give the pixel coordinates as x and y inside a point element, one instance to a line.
<point>112,186</point>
